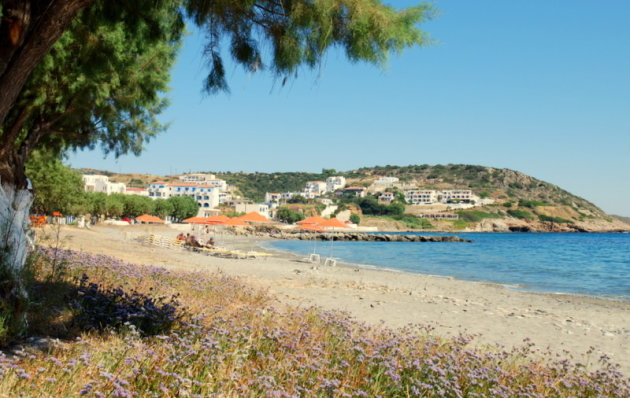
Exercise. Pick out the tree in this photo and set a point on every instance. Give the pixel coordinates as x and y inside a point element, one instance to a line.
<point>56,186</point>
<point>163,208</point>
<point>288,215</point>
<point>355,218</point>
<point>135,206</point>
<point>183,207</point>
<point>78,107</point>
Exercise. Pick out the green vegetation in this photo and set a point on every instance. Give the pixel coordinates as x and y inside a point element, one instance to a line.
<point>411,221</point>
<point>131,330</point>
<point>288,215</point>
<point>476,215</point>
<point>57,187</point>
<point>558,220</point>
<point>531,204</point>
<point>355,218</point>
<point>520,214</point>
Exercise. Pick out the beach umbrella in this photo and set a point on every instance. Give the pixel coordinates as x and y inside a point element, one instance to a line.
<point>253,217</point>
<point>332,223</point>
<point>147,218</point>
<point>312,220</point>
<point>214,220</point>
<point>193,220</point>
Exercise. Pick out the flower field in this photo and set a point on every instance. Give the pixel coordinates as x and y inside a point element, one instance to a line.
<point>105,328</point>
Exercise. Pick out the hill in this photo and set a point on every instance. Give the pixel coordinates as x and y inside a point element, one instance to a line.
<point>519,202</point>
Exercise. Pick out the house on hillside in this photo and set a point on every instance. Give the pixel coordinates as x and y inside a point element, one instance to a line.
<point>100,183</point>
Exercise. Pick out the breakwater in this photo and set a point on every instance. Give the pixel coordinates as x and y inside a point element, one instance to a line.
<point>363,237</point>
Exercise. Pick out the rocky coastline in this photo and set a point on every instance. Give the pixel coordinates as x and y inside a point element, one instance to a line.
<point>364,237</point>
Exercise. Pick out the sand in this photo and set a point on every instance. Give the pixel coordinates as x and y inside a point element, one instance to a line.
<point>497,315</point>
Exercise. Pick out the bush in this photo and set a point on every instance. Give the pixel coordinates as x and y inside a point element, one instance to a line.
<point>520,214</point>
<point>355,219</point>
<point>531,204</point>
<point>558,220</point>
<point>476,215</point>
<point>288,215</point>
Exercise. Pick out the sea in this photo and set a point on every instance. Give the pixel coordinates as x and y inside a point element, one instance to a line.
<point>590,264</point>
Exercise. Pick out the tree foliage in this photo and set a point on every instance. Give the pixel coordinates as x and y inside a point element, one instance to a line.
<point>288,215</point>
<point>56,186</point>
<point>183,207</point>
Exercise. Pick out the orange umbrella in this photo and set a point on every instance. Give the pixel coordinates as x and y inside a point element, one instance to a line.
<point>56,214</point>
<point>193,220</point>
<point>149,219</point>
<point>253,217</point>
<point>312,220</point>
<point>234,222</point>
<point>332,223</point>
<point>214,220</point>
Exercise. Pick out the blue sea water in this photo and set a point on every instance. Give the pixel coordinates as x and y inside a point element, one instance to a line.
<point>573,263</point>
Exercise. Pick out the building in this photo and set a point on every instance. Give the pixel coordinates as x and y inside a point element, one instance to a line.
<point>100,183</point>
<point>272,197</point>
<point>248,207</point>
<point>334,183</point>
<point>440,216</point>
<point>421,196</point>
<point>224,197</point>
<point>316,187</point>
<point>386,180</point>
<point>359,192</point>
<point>386,197</point>
<point>136,191</point>
<point>457,195</point>
<point>204,179</point>
<point>206,196</point>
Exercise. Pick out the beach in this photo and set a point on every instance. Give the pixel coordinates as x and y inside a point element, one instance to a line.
<point>496,315</point>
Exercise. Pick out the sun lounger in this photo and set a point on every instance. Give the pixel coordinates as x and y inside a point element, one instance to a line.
<point>331,262</point>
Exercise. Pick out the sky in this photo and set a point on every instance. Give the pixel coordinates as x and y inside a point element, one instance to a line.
<point>538,86</point>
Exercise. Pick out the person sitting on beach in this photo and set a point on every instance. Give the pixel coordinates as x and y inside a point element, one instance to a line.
<point>192,241</point>
<point>181,236</point>
<point>209,243</point>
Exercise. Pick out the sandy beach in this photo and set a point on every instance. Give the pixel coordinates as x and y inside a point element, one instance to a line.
<point>496,314</point>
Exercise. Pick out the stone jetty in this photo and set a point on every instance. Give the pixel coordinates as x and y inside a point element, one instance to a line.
<point>363,237</point>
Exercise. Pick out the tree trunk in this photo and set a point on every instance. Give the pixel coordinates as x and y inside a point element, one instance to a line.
<point>15,204</point>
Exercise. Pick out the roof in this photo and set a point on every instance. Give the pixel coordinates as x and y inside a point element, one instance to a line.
<point>189,184</point>
<point>333,223</point>
<point>316,182</point>
<point>354,189</point>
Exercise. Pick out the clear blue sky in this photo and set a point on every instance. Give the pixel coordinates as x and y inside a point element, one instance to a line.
<point>537,86</point>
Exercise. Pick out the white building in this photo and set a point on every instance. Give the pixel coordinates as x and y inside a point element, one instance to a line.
<point>246,207</point>
<point>204,179</point>
<point>456,195</point>
<point>421,196</point>
<point>334,183</point>
<point>359,192</point>
<point>272,197</point>
<point>207,196</point>
<point>99,183</point>
<point>136,191</point>
<point>386,197</point>
<point>316,187</point>
<point>224,197</point>
<point>386,180</point>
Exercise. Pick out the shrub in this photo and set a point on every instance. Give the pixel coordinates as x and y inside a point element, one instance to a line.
<point>558,220</point>
<point>531,203</point>
<point>289,215</point>
<point>354,218</point>
<point>520,214</point>
<point>105,309</point>
<point>476,215</point>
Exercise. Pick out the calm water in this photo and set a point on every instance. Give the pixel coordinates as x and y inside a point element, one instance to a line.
<point>586,264</point>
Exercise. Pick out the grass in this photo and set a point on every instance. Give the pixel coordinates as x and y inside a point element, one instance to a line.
<point>227,339</point>
<point>476,215</point>
<point>411,221</point>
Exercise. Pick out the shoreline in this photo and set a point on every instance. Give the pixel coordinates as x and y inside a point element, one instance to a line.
<point>494,313</point>
<point>509,286</point>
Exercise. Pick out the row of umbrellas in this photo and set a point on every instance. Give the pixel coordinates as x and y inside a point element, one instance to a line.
<point>243,220</point>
